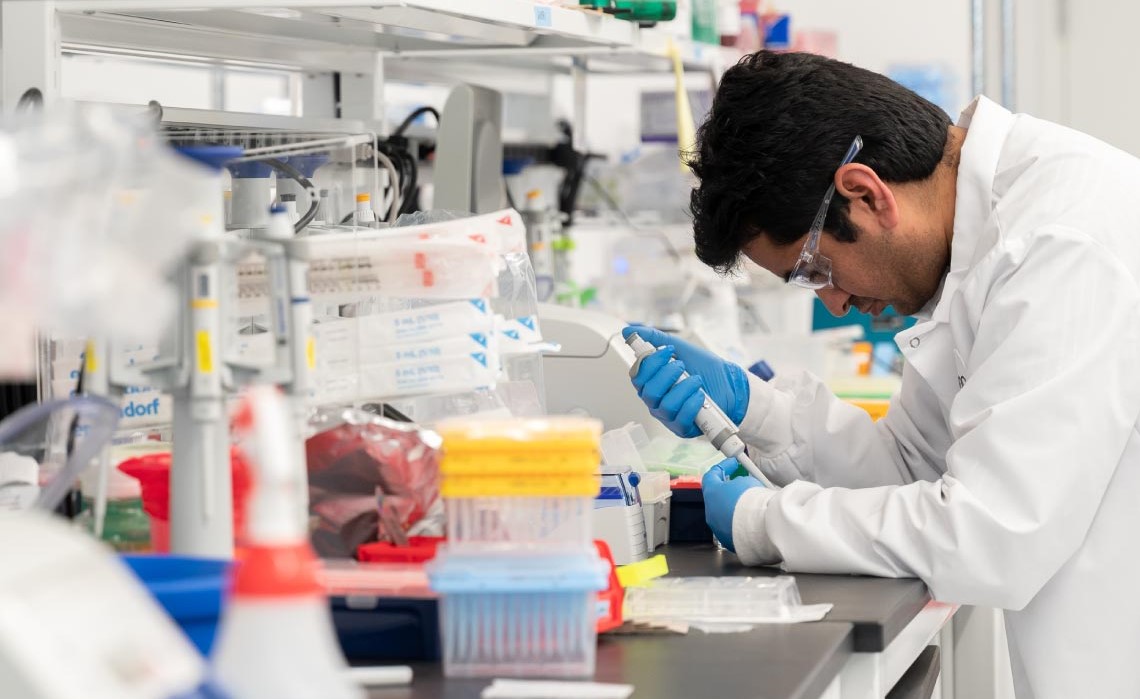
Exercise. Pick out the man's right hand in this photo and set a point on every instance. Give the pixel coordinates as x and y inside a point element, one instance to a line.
<point>676,404</point>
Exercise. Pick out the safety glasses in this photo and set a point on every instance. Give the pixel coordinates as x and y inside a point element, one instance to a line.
<point>813,269</point>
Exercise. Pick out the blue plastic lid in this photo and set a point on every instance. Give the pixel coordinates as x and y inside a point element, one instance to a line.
<point>307,164</point>
<point>211,156</point>
<point>517,572</point>
<point>251,169</point>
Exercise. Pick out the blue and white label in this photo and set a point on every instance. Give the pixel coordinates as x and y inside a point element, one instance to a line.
<point>542,16</point>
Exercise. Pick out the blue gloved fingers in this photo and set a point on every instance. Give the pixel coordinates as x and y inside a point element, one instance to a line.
<point>651,335</point>
<point>687,415</point>
<point>651,365</point>
<point>676,397</point>
<point>721,473</point>
<point>659,385</point>
<point>738,381</point>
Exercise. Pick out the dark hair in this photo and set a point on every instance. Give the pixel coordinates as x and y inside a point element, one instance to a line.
<point>779,126</point>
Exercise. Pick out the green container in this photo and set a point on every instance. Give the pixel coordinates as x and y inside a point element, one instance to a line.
<point>704,22</point>
<point>126,527</point>
<point>636,10</point>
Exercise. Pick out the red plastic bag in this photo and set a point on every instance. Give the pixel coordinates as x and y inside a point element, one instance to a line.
<point>370,479</point>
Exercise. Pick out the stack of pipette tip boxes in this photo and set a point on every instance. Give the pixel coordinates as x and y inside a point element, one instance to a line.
<point>519,576</point>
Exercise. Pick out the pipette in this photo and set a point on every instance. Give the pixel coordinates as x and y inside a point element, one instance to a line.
<point>711,420</point>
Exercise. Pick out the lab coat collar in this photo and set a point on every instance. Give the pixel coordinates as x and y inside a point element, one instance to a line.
<point>987,124</point>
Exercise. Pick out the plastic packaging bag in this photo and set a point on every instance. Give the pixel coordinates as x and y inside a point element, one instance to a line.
<point>371,479</point>
<point>92,218</point>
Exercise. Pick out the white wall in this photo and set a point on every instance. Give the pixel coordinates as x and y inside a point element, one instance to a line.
<point>1076,62</point>
<point>877,34</point>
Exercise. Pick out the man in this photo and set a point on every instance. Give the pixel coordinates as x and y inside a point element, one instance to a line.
<point>1007,470</point>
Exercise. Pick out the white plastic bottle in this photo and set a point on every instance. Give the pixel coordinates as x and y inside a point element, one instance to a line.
<point>365,216</point>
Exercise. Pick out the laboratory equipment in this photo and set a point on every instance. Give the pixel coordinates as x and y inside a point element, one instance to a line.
<point>656,507</point>
<point>277,638</point>
<point>251,187</point>
<point>711,420</point>
<point>469,151</point>
<point>201,522</point>
<point>618,518</point>
<point>705,600</point>
<point>518,614</point>
<point>543,227</point>
<point>19,481</point>
<point>522,483</point>
<point>589,375</point>
<point>75,624</point>
<point>61,437</point>
<point>225,281</point>
<point>687,512</point>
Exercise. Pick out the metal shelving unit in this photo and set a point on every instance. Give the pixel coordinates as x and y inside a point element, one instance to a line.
<point>364,41</point>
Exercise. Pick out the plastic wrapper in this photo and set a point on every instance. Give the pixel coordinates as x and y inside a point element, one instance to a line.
<point>84,190</point>
<point>371,479</point>
<point>518,337</point>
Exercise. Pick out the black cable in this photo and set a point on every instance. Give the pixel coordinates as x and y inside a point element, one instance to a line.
<point>426,109</point>
<point>295,174</point>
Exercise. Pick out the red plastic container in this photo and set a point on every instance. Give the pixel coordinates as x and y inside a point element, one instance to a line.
<point>611,599</point>
<point>153,474</point>
<point>420,549</point>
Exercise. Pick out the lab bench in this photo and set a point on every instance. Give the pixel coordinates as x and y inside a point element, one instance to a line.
<point>876,632</point>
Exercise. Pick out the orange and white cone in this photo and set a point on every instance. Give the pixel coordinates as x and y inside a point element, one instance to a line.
<point>276,639</point>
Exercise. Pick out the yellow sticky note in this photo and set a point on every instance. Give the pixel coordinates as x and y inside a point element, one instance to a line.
<point>642,572</point>
<point>311,352</point>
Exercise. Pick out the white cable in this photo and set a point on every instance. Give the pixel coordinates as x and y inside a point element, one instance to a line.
<point>394,181</point>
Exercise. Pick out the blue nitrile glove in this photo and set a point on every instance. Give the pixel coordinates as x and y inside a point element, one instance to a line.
<point>721,492</point>
<point>676,404</point>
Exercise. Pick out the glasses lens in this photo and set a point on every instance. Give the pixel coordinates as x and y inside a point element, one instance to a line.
<point>812,273</point>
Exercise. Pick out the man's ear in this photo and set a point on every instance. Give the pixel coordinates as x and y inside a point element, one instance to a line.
<point>870,199</point>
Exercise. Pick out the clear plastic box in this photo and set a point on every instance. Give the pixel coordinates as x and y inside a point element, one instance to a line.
<point>517,616</point>
<point>708,599</point>
<point>528,522</point>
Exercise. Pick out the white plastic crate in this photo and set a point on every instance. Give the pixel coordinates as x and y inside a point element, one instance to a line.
<point>545,523</point>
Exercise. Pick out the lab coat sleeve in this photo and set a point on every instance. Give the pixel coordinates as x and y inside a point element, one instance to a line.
<point>797,429</point>
<point>1051,398</point>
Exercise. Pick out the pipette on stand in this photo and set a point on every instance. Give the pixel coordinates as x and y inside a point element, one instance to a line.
<point>711,420</point>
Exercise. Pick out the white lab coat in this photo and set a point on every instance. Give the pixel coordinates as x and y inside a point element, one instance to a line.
<point>1007,471</point>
